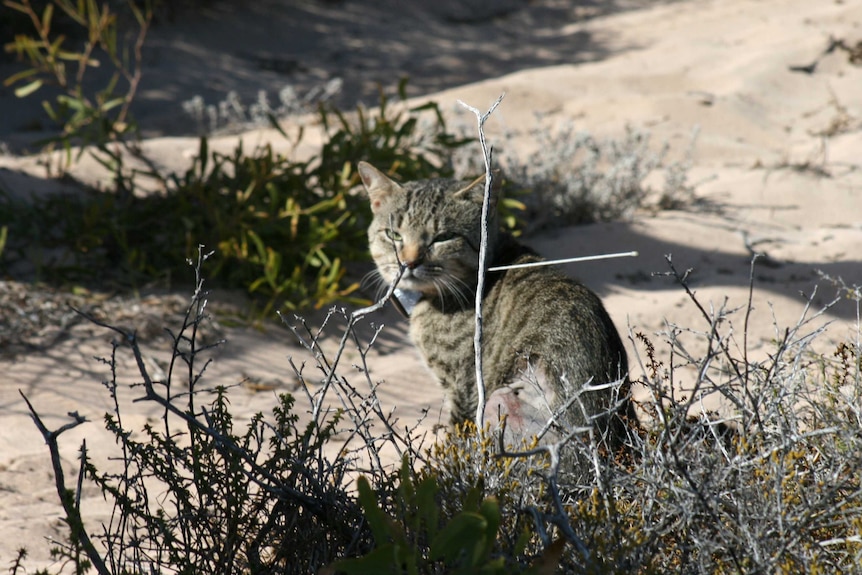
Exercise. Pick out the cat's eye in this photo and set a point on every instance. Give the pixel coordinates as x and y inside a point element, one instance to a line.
<point>392,235</point>
<point>445,237</point>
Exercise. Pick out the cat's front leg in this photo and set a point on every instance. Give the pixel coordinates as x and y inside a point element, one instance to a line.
<point>462,397</point>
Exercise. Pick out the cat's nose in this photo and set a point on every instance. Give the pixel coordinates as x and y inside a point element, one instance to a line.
<point>412,256</point>
<point>412,262</point>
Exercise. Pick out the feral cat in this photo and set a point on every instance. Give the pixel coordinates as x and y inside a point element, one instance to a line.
<point>545,335</point>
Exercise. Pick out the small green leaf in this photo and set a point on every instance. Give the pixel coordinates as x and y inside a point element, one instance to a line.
<point>273,266</point>
<point>140,16</point>
<point>16,6</point>
<point>514,204</point>
<point>77,104</point>
<point>111,104</point>
<point>376,562</point>
<point>46,18</point>
<point>258,244</point>
<point>426,505</point>
<point>405,488</point>
<point>490,510</point>
<point>73,57</point>
<point>373,514</point>
<point>20,76</point>
<point>459,537</point>
<point>28,89</point>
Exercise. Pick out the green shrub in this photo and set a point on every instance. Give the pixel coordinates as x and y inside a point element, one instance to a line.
<point>84,116</point>
<point>284,229</point>
<point>197,493</point>
<point>421,539</point>
<point>777,491</point>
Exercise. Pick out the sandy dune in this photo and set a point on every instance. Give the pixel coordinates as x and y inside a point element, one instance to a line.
<point>777,168</point>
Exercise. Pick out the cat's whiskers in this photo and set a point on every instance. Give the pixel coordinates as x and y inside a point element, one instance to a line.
<point>449,284</point>
<point>465,290</point>
<point>440,296</point>
<point>375,281</point>
<point>371,279</point>
<point>459,288</point>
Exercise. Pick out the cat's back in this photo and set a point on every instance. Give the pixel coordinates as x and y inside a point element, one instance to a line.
<point>536,312</point>
<point>540,311</point>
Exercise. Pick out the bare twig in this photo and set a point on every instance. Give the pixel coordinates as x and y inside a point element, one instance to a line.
<point>69,503</point>
<point>354,317</point>
<point>483,251</point>
<point>560,517</point>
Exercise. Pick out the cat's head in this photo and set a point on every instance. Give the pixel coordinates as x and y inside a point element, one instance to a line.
<point>433,227</point>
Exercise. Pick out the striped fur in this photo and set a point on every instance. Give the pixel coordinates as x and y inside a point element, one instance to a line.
<point>540,326</point>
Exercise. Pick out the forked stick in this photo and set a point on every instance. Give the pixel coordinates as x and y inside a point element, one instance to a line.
<point>483,250</point>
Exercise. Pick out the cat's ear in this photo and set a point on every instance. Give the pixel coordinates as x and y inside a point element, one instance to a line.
<point>379,186</point>
<point>475,190</point>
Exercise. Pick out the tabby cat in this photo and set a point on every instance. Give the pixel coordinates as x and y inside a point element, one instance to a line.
<point>545,335</point>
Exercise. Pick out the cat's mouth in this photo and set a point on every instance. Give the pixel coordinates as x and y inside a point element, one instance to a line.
<point>411,281</point>
<point>434,282</point>
<point>409,291</point>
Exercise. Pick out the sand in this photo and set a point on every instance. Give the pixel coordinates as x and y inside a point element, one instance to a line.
<point>776,169</point>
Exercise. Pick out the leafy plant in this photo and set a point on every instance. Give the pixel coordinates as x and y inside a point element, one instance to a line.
<point>194,493</point>
<point>412,142</point>
<point>98,117</point>
<point>421,539</point>
<point>284,229</point>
